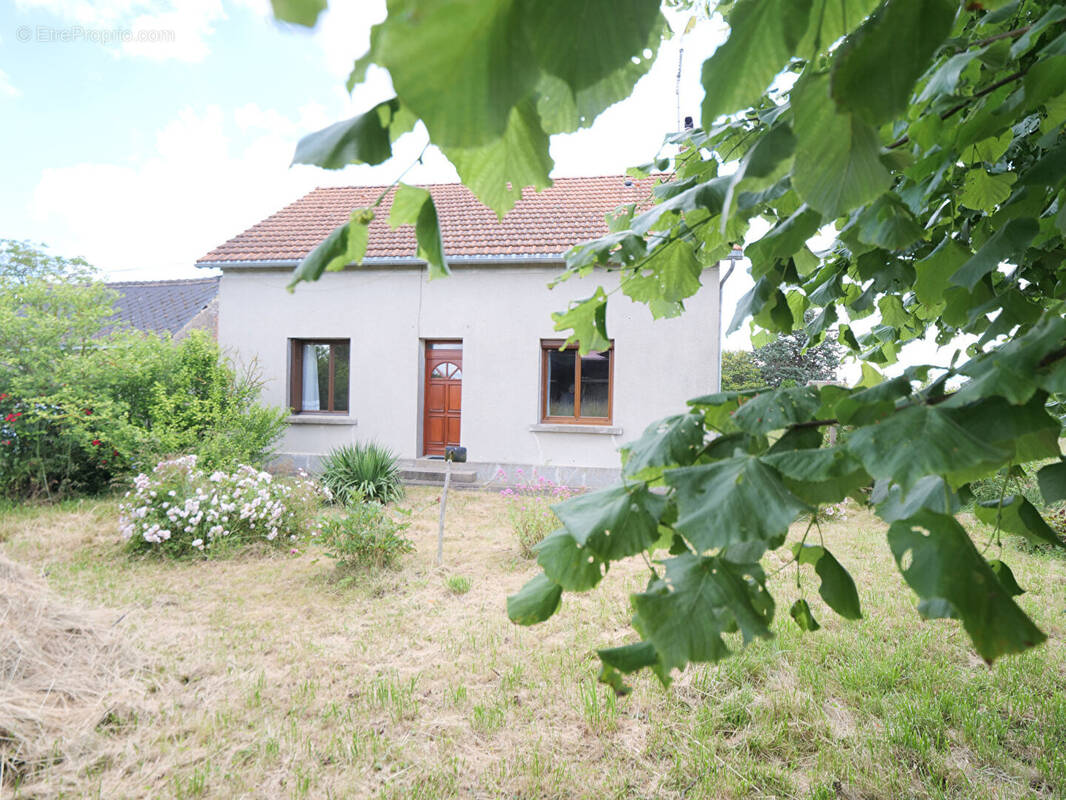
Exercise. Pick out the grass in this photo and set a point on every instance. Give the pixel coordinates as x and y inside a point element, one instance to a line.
<point>269,679</point>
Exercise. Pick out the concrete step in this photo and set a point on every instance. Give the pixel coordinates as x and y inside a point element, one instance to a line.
<point>433,475</point>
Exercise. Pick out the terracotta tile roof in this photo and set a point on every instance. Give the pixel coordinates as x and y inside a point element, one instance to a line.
<point>162,306</point>
<point>547,223</point>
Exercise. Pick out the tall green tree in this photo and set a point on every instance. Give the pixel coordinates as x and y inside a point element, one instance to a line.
<point>739,371</point>
<point>924,137</point>
<point>788,360</point>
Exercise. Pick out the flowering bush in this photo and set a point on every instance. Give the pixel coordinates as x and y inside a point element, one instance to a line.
<point>181,510</point>
<point>529,502</point>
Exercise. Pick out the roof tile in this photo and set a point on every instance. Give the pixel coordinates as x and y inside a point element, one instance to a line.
<point>545,223</point>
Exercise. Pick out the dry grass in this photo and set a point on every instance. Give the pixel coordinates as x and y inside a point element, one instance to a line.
<point>66,676</point>
<point>274,679</point>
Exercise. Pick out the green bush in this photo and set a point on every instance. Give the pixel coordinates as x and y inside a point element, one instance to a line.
<point>458,584</point>
<point>1021,481</point>
<point>181,510</point>
<point>365,536</point>
<point>362,472</point>
<point>82,406</point>
<point>529,508</point>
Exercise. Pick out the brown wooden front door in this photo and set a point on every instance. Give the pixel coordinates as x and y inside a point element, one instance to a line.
<point>444,396</point>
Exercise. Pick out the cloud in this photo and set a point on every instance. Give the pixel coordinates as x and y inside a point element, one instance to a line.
<point>210,175</point>
<point>158,31</point>
<point>8,89</point>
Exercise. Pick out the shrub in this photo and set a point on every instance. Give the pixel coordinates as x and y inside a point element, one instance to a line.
<point>458,584</point>
<point>365,536</point>
<point>362,472</point>
<point>83,405</point>
<point>529,510</point>
<point>180,510</point>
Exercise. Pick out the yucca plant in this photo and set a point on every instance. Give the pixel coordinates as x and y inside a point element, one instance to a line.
<point>357,472</point>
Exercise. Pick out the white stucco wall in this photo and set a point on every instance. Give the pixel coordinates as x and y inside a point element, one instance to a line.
<point>501,313</point>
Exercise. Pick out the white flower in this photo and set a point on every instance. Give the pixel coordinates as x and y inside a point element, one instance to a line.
<point>198,543</point>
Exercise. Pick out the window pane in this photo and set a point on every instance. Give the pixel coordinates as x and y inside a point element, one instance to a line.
<point>340,377</point>
<point>561,383</point>
<point>322,358</point>
<point>310,399</point>
<point>595,384</point>
<point>445,345</point>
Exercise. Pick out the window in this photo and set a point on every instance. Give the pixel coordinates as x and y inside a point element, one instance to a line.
<point>575,389</point>
<point>319,377</point>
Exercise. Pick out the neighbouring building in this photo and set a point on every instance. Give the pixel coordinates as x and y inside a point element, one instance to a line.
<point>378,352</point>
<point>167,307</point>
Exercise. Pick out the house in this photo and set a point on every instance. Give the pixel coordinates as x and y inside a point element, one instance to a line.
<point>378,352</point>
<point>173,307</point>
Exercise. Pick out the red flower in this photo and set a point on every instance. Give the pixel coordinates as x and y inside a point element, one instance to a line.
<point>12,417</point>
<point>6,441</point>
<point>114,452</point>
<point>88,412</point>
<point>97,443</point>
<point>4,396</point>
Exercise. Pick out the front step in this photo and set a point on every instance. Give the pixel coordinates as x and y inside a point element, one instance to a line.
<point>433,475</point>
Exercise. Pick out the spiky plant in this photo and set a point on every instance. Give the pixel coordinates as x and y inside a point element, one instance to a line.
<point>365,471</point>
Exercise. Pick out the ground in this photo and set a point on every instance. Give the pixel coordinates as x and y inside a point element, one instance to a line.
<point>266,676</point>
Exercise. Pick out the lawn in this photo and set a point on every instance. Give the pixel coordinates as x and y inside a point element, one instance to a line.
<point>266,676</point>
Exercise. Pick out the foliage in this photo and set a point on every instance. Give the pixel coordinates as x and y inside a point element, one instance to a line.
<point>529,512</point>
<point>939,177</point>
<point>180,510</point>
<point>362,471</point>
<point>83,404</point>
<point>365,536</point>
<point>739,371</point>
<point>786,360</point>
<point>458,584</point>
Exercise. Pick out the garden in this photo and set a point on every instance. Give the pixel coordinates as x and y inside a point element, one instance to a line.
<point>214,633</point>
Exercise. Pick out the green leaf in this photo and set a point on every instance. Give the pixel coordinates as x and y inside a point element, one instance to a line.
<point>782,241</point>
<point>299,12</point>
<point>837,587</point>
<point>869,76</point>
<point>1018,516</point>
<point>1052,481</point>
<point>588,320</point>
<point>346,244</point>
<point>920,441</point>
<point>584,42</point>
<point>685,614</point>
<point>613,523</point>
<point>801,613</point>
<point>718,409</point>
<point>819,475</point>
<point>414,205</point>
<point>888,224</point>
<point>627,659</point>
<point>734,501</point>
<point>777,409</point>
<point>982,191</point>
<point>1008,242</point>
<point>763,36</point>
<point>361,140</point>
<point>931,493</point>
<point>1010,369</point>
<point>459,65</point>
<point>535,602</point>
<point>942,566</point>
<point>830,20</point>
<point>1006,578</point>
<point>498,172</point>
<point>837,155</point>
<point>871,404</point>
<point>1055,14</point>
<point>1044,80</point>
<point>1028,431</point>
<point>676,269</point>
<point>669,442</point>
<point>567,564</point>
<point>946,78</point>
<point>935,270</point>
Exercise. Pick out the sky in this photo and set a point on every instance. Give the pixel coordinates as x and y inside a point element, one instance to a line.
<point>140,134</point>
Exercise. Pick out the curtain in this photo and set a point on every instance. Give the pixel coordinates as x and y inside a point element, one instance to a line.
<point>310,399</point>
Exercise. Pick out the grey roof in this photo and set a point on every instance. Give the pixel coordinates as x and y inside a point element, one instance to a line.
<point>162,306</point>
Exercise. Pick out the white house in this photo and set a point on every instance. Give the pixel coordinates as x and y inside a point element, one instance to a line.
<point>380,353</point>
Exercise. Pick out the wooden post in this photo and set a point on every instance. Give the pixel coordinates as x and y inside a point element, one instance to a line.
<point>443,503</point>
